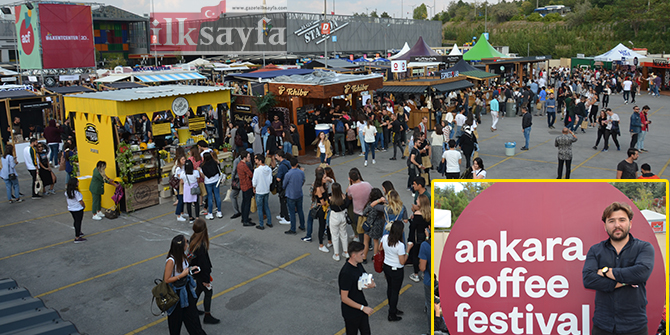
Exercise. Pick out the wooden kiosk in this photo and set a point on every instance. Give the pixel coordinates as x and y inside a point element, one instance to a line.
<point>95,114</point>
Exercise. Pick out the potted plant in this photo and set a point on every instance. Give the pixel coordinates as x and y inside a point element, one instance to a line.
<point>265,102</point>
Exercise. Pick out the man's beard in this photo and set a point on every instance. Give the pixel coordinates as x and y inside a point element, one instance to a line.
<point>616,239</point>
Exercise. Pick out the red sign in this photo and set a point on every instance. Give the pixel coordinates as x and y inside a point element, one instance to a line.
<point>517,268</point>
<point>325,28</point>
<point>67,36</point>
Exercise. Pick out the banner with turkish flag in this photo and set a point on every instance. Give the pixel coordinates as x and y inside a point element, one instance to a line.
<point>67,36</point>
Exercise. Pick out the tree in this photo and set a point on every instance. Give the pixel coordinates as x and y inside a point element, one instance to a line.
<point>527,8</point>
<point>265,102</point>
<point>360,14</point>
<point>374,14</point>
<point>420,12</point>
<point>503,11</point>
<point>386,15</point>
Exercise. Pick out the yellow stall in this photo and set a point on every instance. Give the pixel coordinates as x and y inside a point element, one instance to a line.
<point>94,115</point>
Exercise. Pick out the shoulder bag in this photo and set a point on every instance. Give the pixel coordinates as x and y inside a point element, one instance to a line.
<point>194,190</point>
<point>379,261</point>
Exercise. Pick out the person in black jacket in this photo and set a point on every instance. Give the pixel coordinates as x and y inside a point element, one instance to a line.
<point>468,141</point>
<point>526,122</point>
<point>199,256</point>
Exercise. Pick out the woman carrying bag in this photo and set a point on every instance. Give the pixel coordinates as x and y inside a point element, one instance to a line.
<point>199,247</point>
<point>189,180</point>
<point>395,256</point>
<point>8,174</point>
<point>210,168</point>
<point>337,221</point>
<point>177,275</point>
<point>97,188</point>
<point>417,235</point>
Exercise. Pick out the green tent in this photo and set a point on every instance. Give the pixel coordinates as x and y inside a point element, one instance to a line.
<point>482,50</point>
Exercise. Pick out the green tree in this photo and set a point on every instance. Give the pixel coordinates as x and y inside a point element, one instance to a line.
<point>116,62</point>
<point>374,14</point>
<point>360,14</point>
<point>503,11</point>
<point>385,15</point>
<point>420,12</point>
<point>527,8</point>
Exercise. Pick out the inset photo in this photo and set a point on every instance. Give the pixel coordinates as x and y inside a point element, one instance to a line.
<point>550,257</point>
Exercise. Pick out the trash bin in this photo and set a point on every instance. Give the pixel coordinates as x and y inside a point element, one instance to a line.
<point>511,109</point>
<point>510,148</point>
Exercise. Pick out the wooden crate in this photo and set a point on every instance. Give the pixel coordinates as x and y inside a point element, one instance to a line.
<point>144,194</point>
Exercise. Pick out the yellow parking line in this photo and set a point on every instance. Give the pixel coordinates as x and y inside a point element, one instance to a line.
<point>664,167</point>
<point>388,174</point>
<point>655,111</point>
<point>145,327</point>
<point>116,270</point>
<point>38,218</point>
<point>378,307</point>
<point>494,136</point>
<point>70,240</point>
<point>588,159</point>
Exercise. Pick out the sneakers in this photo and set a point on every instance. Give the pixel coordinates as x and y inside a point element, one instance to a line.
<point>181,218</point>
<point>414,277</point>
<point>284,221</point>
<point>345,255</point>
<point>79,240</point>
<point>362,154</point>
<point>235,216</point>
<point>524,148</point>
<point>209,216</point>
<point>209,319</point>
<point>374,162</point>
<point>329,245</point>
<point>100,214</point>
<point>260,227</point>
<point>96,217</point>
<point>392,158</point>
<point>336,258</point>
<point>219,215</point>
<point>322,248</point>
<point>595,148</point>
<point>306,239</point>
<point>290,232</point>
<point>366,163</point>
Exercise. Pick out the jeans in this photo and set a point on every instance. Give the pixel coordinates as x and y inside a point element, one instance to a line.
<point>213,196</point>
<point>338,138</point>
<point>361,138</point>
<point>283,208</point>
<point>394,280</point>
<point>246,204</point>
<point>656,90</point>
<point>369,147</point>
<point>310,225</point>
<point>263,206</point>
<point>626,95</point>
<point>379,140</point>
<point>12,185</point>
<point>180,205</point>
<point>551,118</point>
<point>288,148</point>
<point>526,135</point>
<point>324,159</point>
<point>295,206</point>
<point>53,153</point>
<point>640,140</point>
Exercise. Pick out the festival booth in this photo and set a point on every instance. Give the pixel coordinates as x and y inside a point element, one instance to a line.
<point>482,50</point>
<point>121,85</point>
<point>421,59</point>
<point>520,66</point>
<point>659,67</point>
<point>621,55</point>
<point>181,115</point>
<point>59,92</point>
<point>301,93</point>
<point>462,68</point>
<point>404,50</point>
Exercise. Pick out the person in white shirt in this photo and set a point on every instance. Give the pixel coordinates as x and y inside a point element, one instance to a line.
<point>189,179</point>
<point>395,256</point>
<point>449,118</point>
<point>369,132</point>
<point>360,125</point>
<point>627,85</point>
<point>612,129</point>
<point>31,158</point>
<point>452,158</point>
<point>75,205</point>
<point>261,182</point>
<point>460,121</point>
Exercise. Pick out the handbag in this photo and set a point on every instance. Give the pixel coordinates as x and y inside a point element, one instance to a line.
<point>235,183</point>
<point>379,261</point>
<point>194,190</point>
<point>39,185</point>
<point>585,124</point>
<point>174,182</point>
<point>425,161</point>
<point>253,208</point>
<point>359,226</point>
<point>314,212</point>
<point>295,151</point>
<point>164,296</point>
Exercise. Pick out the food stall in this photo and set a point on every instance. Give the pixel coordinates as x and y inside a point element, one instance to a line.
<point>100,123</point>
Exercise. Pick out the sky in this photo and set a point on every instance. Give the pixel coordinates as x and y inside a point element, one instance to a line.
<point>343,7</point>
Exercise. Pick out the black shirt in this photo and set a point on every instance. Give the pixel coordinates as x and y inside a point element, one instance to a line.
<point>396,126</point>
<point>348,281</point>
<point>628,170</point>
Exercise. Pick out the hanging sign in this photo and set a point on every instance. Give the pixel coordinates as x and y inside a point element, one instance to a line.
<point>180,106</point>
<point>398,65</point>
<point>325,28</point>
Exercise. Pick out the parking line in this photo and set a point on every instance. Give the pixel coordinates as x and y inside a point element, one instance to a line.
<point>588,159</point>
<point>378,307</point>
<point>664,167</point>
<point>38,218</point>
<point>494,136</point>
<point>116,270</point>
<point>70,240</point>
<point>655,111</point>
<point>25,197</point>
<point>388,174</point>
<point>145,327</point>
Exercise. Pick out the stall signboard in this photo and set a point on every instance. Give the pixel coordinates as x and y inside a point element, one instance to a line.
<point>35,105</point>
<point>161,128</point>
<point>449,74</point>
<point>238,117</point>
<point>243,108</point>
<point>521,272</point>
<point>67,36</point>
<point>301,113</point>
<point>91,133</point>
<point>27,36</point>
<point>196,123</point>
<point>431,59</point>
<point>398,66</point>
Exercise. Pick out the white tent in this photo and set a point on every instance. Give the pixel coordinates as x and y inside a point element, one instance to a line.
<point>402,51</point>
<point>455,51</point>
<point>656,220</point>
<point>442,218</point>
<point>199,62</point>
<point>618,53</point>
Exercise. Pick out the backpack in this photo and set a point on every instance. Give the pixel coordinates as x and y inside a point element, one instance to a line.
<point>389,221</point>
<point>339,127</point>
<point>238,140</point>
<point>164,296</point>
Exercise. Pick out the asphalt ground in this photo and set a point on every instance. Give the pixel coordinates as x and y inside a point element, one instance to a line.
<point>265,282</point>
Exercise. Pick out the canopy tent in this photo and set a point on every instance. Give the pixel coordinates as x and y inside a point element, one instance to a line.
<point>482,49</point>
<point>455,51</point>
<point>199,62</point>
<point>381,59</point>
<point>402,51</point>
<point>168,76</point>
<point>464,69</point>
<point>419,49</point>
<point>618,53</point>
<point>361,60</point>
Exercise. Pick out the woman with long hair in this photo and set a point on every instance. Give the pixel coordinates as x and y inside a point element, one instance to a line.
<point>210,170</point>
<point>437,146</point>
<point>337,221</point>
<point>324,151</point>
<point>395,257</point>
<point>374,211</point>
<point>97,188</point>
<point>369,135</point>
<point>271,146</point>
<point>189,180</point>
<point>318,174</point>
<point>177,169</point>
<point>176,274</point>
<point>199,248</point>
<point>320,197</point>
<point>288,141</point>
<point>417,233</point>
<point>47,176</point>
<point>602,127</point>
<point>197,160</point>
<point>478,171</point>
<point>387,186</point>
<point>75,205</point>
<point>8,174</point>
<point>360,128</point>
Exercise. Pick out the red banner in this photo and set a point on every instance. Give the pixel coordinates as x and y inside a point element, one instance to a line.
<point>67,36</point>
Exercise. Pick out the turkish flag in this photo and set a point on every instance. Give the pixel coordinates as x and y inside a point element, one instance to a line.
<point>213,12</point>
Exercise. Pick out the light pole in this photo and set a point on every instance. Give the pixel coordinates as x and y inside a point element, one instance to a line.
<point>385,48</point>
<point>325,42</point>
<point>427,13</point>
